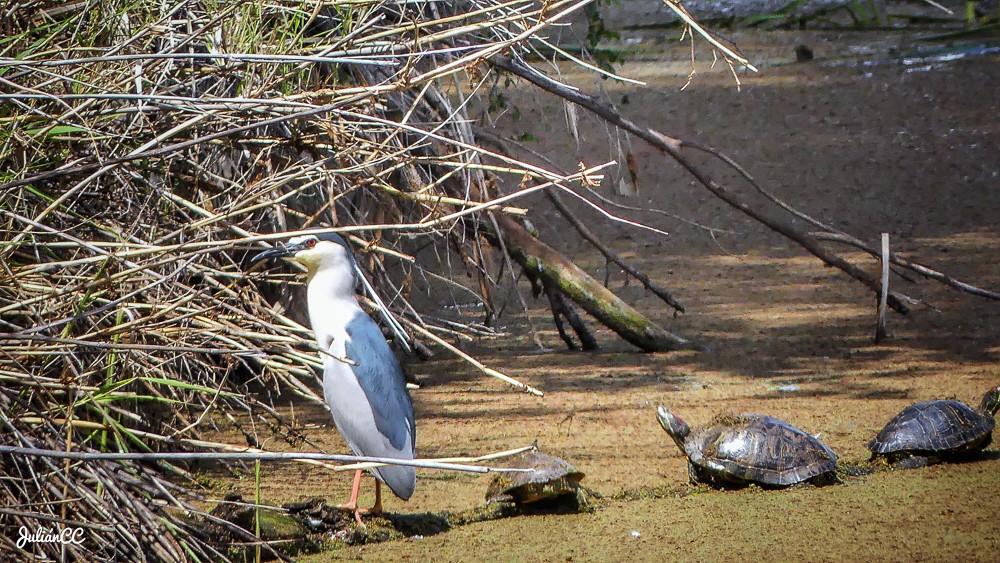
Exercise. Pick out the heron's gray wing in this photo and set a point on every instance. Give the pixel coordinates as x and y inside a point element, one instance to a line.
<point>381,378</point>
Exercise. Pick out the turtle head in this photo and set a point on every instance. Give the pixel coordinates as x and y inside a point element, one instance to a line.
<point>674,425</point>
<point>991,401</point>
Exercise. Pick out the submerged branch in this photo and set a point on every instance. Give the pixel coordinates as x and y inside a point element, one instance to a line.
<point>898,260</point>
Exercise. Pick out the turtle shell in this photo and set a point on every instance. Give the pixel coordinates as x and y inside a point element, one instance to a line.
<point>939,427</point>
<point>552,477</point>
<point>754,448</point>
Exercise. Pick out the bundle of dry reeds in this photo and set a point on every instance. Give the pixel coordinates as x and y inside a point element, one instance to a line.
<point>145,149</point>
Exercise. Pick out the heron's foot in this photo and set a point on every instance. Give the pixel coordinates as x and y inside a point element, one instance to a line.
<point>353,508</point>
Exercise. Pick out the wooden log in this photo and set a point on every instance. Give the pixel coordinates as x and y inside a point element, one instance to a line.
<point>557,271</point>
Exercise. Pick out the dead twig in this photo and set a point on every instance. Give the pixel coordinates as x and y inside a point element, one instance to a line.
<point>898,260</point>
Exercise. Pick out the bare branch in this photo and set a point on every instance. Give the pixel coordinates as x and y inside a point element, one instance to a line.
<point>673,147</point>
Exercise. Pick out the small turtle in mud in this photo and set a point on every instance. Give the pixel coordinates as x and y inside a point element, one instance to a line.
<point>552,479</point>
<point>737,450</point>
<point>932,431</point>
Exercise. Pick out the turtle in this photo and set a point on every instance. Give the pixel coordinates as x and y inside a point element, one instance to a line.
<point>931,431</point>
<point>738,450</point>
<point>552,478</point>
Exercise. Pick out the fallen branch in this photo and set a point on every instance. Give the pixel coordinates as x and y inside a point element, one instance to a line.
<point>555,270</point>
<point>357,462</point>
<point>673,147</point>
<point>912,266</point>
<point>831,234</point>
<point>561,309</point>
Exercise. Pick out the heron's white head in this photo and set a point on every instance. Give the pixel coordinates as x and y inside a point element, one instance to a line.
<point>320,252</point>
<point>328,256</point>
<point>327,252</point>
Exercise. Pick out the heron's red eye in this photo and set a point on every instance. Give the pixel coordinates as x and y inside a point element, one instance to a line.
<point>311,243</point>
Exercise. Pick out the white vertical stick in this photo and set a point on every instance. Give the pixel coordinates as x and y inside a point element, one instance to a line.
<point>880,333</point>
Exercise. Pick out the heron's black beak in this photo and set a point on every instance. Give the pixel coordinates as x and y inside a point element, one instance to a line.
<point>282,251</point>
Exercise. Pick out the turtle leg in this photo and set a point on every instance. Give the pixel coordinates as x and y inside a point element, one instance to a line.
<point>699,476</point>
<point>913,462</point>
<point>823,480</point>
<point>693,474</point>
<point>582,502</point>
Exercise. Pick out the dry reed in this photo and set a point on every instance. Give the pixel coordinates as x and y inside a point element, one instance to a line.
<point>147,149</point>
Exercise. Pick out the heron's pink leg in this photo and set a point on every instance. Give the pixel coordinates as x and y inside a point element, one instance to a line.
<point>377,507</point>
<point>352,504</point>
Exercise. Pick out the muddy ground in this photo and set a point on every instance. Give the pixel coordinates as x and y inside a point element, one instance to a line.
<point>860,140</point>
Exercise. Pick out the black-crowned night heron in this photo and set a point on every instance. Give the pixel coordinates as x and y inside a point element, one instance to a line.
<point>362,381</point>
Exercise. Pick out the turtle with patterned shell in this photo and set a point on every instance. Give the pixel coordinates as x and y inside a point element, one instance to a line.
<point>932,431</point>
<point>738,450</point>
<point>550,479</point>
